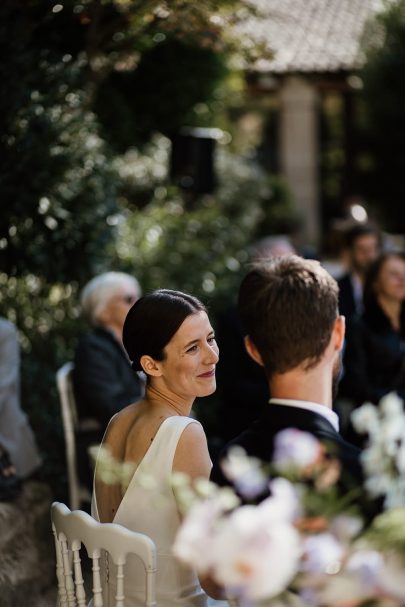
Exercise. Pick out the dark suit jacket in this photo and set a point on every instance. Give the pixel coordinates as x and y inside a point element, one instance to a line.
<point>103,383</point>
<point>347,304</point>
<point>103,379</point>
<point>242,384</point>
<point>374,358</point>
<point>258,441</point>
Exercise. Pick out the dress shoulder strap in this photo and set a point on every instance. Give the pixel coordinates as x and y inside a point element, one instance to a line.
<point>159,458</point>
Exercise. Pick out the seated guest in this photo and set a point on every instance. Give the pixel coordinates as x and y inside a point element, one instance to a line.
<point>374,358</point>
<point>168,335</point>
<point>103,380</point>
<point>289,310</point>
<point>19,454</point>
<point>362,246</point>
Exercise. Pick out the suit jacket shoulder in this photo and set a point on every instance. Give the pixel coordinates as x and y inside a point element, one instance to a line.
<point>258,439</point>
<point>347,304</point>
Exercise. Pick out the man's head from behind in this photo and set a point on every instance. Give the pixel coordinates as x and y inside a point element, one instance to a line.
<point>289,306</point>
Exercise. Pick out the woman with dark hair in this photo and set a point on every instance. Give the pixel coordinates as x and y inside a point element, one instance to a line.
<point>374,359</point>
<point>167,334</point>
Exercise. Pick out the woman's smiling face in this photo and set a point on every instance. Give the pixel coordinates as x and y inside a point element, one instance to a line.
<point>191,355</point>
<point>390,282</point>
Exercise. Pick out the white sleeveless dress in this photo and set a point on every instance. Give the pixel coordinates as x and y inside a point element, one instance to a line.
<point>154,512</point>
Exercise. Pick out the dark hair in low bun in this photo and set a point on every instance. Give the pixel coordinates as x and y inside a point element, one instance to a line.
<point>153,320</point>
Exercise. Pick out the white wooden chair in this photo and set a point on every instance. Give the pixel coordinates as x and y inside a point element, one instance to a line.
<point>77,492</point>
<point>72,530</point>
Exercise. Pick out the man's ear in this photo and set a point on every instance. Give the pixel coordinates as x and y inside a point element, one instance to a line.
<point>150,366</point>
<point>253,351</point>
<point>338,333</point>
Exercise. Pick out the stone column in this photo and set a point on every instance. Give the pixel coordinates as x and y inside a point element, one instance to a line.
<point>299,151</point>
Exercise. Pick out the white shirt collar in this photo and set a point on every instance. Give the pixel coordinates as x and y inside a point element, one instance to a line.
<point>327,413</point>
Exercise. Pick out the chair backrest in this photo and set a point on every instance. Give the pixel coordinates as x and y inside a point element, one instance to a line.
<point>77,492</point>
<point>72,530</point>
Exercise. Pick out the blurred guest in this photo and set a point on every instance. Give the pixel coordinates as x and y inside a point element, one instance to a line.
<point>103,380</point>
<point>243,387</point>
<point>362,246</point>
<point>374,359</point>
<point>18,451</point>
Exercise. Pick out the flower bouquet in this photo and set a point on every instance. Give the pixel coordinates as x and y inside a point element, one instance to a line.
<point>304,544</point>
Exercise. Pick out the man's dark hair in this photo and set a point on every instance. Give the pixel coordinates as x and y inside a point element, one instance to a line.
<point>359,230</point>
<point>288,306</point>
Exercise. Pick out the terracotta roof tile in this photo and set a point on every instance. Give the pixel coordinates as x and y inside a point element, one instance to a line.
<point>311,35</point>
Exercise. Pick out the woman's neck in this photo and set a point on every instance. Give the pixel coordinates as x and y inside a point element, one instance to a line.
<point>392,309</point>
<point>163,397</point>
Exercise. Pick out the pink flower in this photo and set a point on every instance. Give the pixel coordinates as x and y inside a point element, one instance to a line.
<point>256,551</point>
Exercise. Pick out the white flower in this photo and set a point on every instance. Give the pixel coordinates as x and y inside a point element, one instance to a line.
<point>240,548</point>
<point>379,572</point>
<point>284,501</point>
<point>295,449</point>
<point>323,554</point>
<point>193,542</point>
<point>395,495</point>
<point>365,565</point>
<point>365,419</point>
<point>391,576</point>
<point>392,430</point>
<point>400,458</point>
<point>244,472</point>
<point>374,461</point>
<point>391,405</point>
<point>378,485</point>
<point>342,588</point>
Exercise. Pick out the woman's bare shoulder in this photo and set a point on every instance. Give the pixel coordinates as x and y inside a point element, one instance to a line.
<point>192,456</point>
<point>123,421</point>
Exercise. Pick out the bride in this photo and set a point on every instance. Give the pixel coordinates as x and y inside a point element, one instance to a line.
<point>167,335</point>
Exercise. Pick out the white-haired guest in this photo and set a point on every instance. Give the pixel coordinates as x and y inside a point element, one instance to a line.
<point>103,379</point>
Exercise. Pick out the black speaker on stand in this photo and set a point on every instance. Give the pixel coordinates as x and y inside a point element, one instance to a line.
<point>192,161</point>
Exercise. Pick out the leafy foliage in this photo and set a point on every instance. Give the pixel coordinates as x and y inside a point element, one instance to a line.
<point>384,92</point>
<point>201,250</point>
<point>160,94</point>
<point>56,187</point>
<point>64,195</point>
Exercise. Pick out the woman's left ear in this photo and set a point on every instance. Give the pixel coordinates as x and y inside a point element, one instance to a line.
<point>150,366</point>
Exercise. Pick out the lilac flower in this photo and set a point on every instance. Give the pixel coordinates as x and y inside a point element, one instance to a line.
<point>295,449</point>
<point>244,472</point>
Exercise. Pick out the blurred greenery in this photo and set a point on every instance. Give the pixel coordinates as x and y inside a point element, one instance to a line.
<point>384,95</point>
<point>161,94</point>
<point>202,249</point>
<point>72,207</point>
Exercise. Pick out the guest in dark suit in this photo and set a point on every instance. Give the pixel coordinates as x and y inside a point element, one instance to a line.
<point>103,380</point>
<point>362,247</point>
<point>289,309</point>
